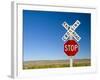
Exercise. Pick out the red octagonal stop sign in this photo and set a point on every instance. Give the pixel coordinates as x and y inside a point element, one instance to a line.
<point>71,47</point>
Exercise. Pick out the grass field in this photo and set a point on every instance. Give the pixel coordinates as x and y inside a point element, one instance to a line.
<point>55,63</point>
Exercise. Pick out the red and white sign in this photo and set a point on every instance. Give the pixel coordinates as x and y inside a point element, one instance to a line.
<point>71,47</point>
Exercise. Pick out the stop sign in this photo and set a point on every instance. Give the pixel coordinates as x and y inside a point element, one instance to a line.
<point>71,47</point>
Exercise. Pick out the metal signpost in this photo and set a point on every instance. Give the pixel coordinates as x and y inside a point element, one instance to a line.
<point>71,47</point>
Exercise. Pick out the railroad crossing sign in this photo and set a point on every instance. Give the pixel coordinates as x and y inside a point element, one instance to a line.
<point>71,31</point>
<point>71,47</point>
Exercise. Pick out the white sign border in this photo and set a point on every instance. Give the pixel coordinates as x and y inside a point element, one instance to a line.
<point>17,71</point>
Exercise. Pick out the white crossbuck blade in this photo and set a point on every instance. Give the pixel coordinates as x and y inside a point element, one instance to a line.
<point>71,31</point>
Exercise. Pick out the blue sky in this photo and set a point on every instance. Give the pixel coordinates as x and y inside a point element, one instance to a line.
<point>42,33</point>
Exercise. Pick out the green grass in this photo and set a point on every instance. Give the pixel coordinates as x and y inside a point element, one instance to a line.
<point>55,64</point>
<point>46,66</point>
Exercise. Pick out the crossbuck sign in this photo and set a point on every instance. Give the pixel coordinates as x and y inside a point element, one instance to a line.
<point>71,31</point>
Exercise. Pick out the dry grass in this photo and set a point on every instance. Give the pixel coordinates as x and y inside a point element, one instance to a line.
<point>55,63</point>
